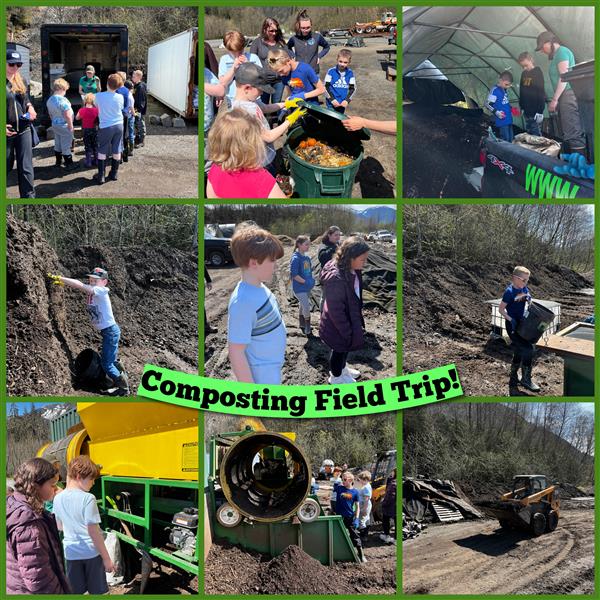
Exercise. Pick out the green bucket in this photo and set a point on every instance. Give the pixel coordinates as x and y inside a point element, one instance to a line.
<point>313,181</point>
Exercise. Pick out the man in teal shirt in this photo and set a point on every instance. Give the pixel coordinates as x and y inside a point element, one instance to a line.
<point>563,100</point>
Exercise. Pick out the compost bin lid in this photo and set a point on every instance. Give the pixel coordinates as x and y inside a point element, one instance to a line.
<point>333,121</point>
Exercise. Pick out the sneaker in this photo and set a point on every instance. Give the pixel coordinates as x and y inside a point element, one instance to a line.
<point>383,537</point>
<point>343,378</point>
<point>351,372</point>
<point>364,559</point>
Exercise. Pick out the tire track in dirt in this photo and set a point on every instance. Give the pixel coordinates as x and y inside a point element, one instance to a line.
<point>479,558</point>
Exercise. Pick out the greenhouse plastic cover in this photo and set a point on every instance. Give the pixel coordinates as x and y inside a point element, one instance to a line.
<point>472,60</point>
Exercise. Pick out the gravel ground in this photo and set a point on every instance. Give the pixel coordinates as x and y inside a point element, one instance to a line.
<point>166,167</point>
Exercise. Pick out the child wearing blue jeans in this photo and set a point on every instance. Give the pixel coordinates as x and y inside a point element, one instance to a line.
<point>302,280</point>
<point>76,511</point>
<point>499,106</point>
<point>100,310</point>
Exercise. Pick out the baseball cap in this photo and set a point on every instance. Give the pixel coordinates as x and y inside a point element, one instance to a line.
<point>250,74</point>
<point>545,36</point>
<point>98,273</point>
<point>13,57</point>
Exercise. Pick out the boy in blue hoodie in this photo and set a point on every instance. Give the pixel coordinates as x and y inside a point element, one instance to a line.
<point>499,106</point>
<point>302,280</point>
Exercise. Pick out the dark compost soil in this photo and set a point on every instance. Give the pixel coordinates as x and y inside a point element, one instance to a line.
<point>446,320</point>
<point>154,300</point>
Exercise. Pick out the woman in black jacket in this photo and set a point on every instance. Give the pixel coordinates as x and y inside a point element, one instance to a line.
<point>19,115</point>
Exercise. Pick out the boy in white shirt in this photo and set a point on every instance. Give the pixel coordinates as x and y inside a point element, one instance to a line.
<point>99,308</point>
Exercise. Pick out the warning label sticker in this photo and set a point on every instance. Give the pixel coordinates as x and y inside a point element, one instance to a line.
<point>189,457</point>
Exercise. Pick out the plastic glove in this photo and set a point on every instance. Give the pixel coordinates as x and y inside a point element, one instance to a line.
<point>538,118</point>
<point>355,523</point>
<point>293,102</point>
<point>576,166</point>
<point>500,114</point>
<point>297,114</point>
<point>55,279</point>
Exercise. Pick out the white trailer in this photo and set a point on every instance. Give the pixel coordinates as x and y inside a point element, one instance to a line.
<point>173,72</point>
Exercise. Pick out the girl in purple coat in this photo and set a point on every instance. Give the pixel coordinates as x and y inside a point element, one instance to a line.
<point>34,558</point>
<point>342,324</point>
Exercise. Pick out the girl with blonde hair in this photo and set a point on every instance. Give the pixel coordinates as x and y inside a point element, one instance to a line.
<point>238,152</point>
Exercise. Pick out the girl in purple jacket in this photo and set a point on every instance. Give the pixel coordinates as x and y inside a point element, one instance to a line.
<point>342,324</point>
<point>34,558</point>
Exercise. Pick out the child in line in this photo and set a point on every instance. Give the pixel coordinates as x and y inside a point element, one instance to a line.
<point>329,244</point>
<point>532,98</point>
<point>302,280</point>
<point>110,130</point>
<point>251,82</point>
<point>300,79</point>
<point>335,480</point>
<point>347,506</point>
<point>88,115</point>
<point>34,557</point>
<point>61,115</point>
<point>499,106</point>
<point>99,308</point>
<point>130,118</point>
<point>256,332</point>
<point>234,42</point>
<point>77,513</point>
<point>365,492</point>
<point>340,83</point>
<point>388,509</point>
<point>342,324</point>
<point>237,153</point>
<point>140,105</point>
<point>212,89</point>
<point>512,308</point>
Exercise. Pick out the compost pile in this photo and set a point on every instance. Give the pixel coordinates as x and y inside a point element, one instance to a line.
<point>233,570</point>
<point>440,148</point>
<point>446,319</point>
<point>48,325</point>
<point>318,153</point>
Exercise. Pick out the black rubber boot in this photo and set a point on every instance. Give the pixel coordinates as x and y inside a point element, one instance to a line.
<point>513,382</point>
<point>302,323</point>
<point>114,169</point>
<point>122,385</point>
<point>69,164</point>
<point>526,380</point>
<point>99,177</point>
<point>58,156</point>
<point>307,329</point>
<point>361,555</point>
<point>141,142</point>
<point>124,155</point>
<point>130,148</point>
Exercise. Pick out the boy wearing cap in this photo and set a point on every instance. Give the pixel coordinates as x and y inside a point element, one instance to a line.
<point>563,99</point>
<point>251,82</point>
<point>99,308</point>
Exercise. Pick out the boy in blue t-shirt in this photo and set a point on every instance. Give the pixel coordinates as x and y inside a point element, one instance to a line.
<point>255,329</point>
<point>340,83</point>
<point>300,79</point>
<point>512,308</point>
<point>499,106</point>
<point>347,505</point>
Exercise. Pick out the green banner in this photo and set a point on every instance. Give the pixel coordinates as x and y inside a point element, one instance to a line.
<point>300,401</point>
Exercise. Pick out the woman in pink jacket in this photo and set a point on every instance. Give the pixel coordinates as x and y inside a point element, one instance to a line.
<point>34,558</point>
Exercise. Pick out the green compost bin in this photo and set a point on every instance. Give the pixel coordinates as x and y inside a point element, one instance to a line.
<point>325,125</point>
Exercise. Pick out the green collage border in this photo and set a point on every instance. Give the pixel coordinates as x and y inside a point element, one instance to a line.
<point>398,203</point>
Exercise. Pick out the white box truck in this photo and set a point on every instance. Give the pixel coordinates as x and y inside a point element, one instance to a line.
<point>173,72</point>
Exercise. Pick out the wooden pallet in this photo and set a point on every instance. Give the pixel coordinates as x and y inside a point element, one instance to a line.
<point>446,514</point>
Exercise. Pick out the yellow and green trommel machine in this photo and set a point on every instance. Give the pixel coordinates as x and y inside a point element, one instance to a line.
<point>148,487</point>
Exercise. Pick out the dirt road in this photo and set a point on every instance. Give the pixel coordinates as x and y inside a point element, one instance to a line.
<point>306,359</point>
<point>479,558</point>
<point>166,167</point>
<point>375,98</point>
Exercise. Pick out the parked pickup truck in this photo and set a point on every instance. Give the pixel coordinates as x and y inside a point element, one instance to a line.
<point>511,171</point>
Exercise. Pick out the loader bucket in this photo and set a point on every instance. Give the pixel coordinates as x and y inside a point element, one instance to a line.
<point>508,513</point>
